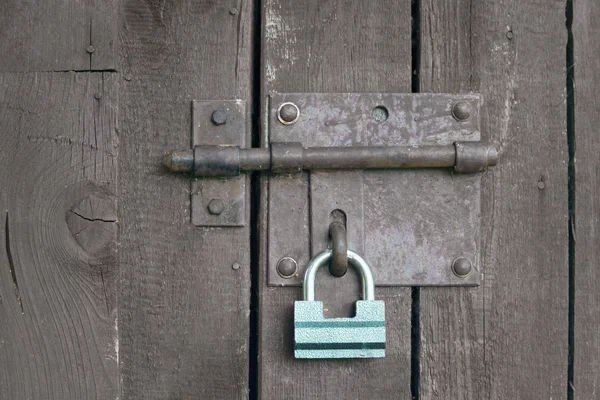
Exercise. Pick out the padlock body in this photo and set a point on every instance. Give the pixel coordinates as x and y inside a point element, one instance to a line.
<point>362,336</point>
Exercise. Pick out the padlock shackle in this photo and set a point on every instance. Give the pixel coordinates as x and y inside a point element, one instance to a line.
<point>368,284</point>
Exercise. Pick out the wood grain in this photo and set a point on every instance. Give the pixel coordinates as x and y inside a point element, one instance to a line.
<point>55,35</point>
<point>319,46</point>
<point>58,270</point>
<point>183,309</point>
<point>586,34</point>
<point>508,338</point>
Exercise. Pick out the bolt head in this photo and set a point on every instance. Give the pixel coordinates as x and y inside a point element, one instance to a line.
<point>219,116</point>
<point>509,35</point>
<point>97,96</point>
<point>541,185</point>
<point>462,267</point>
<point>90,49</point>
<point>288,113</point>
<point>233,11</point>
<point>216,206</point>
<point>236,266</point>
<point>287,267</point>
<point>461,111</point>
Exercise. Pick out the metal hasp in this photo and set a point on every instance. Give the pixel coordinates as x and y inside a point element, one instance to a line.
<point>216,202</point>
<point>410,223</point>
<point>404,169</point>
<point>362,336</point>
<point>226,161</point>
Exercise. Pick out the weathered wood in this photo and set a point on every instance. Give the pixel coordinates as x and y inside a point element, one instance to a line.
<point>319,46</point>
<point>508,338</point>
<point>58,270</point>
<point>183,309</point>
<point>586,36</point>
<point>55,35</point>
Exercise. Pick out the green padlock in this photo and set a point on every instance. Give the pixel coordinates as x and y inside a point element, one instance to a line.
<point>362,336</point>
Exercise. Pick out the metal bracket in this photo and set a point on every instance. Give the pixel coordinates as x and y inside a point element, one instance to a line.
<point>404,170</point>
<point>416,227</point>
<point>219,201</point>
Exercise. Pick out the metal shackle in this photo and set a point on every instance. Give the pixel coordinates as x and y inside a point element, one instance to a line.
<point>368,284</point>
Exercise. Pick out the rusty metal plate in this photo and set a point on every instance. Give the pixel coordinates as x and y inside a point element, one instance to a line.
<point>231,191</point>
<point>410,225</point>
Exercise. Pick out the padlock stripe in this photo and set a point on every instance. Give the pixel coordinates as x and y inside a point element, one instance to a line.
<point>340,346</point>
<point>339,324</point>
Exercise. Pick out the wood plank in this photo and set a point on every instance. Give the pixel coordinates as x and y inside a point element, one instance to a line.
<point>319,46</point>
<point>55,35</point>
<point>586,35</point>
<point>183,309</point>
<point>58,269</point>
<point>508,338</point>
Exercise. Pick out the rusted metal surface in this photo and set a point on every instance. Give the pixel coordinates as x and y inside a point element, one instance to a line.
<point>339,245</point>
<point>216,123</point>
<point>224,161</point>
<point>409,224</point>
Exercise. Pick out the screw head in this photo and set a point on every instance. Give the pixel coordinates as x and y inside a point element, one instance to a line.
<point>219,116</point>
<point>233,11</point>
<point>90,49</point>
<point>288,113</point>
<point>461,111</point>
<point>509,35</point>
<point>541,185</point>
<point>216,206</point>
<point>97,96</point>
<point>462,267</point>
<point>236,266</point>
<point>287,267</point>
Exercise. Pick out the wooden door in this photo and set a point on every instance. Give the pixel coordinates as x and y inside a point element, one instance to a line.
<point>108,291</point>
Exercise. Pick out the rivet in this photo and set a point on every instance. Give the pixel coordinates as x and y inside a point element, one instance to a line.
<point>461,267</point>
<point>90,49</point>
<point>287,267</point>
<point>233,11</point>
<point>541,185</point>
<point>97,96</point>
<point>219,116</point>
<point>461,111</point>
<point>288,113</point>
<point>380,114</point>
<point>236,266</point>
<point>509,35</point>
<point>216,206</point>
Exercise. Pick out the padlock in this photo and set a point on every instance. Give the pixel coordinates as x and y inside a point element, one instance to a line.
<point>362,336</point>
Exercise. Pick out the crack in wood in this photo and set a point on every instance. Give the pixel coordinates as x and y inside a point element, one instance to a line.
<point>11,264</point>
<point>93,219</point>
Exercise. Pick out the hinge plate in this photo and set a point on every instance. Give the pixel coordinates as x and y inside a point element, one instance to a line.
<point>410,225</point>
<point>231,192</point>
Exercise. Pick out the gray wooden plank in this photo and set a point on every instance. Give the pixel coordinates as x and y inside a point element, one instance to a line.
<point>319,46</point>
<point>58,269</point>
<point>183,309</point>
<point>508,338</point>
<point>55,35</point>
<point>586,34</point>
<point>451,319</point>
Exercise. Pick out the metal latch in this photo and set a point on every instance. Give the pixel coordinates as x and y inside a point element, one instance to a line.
<point>403,169</point>
<point>225,161</point>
